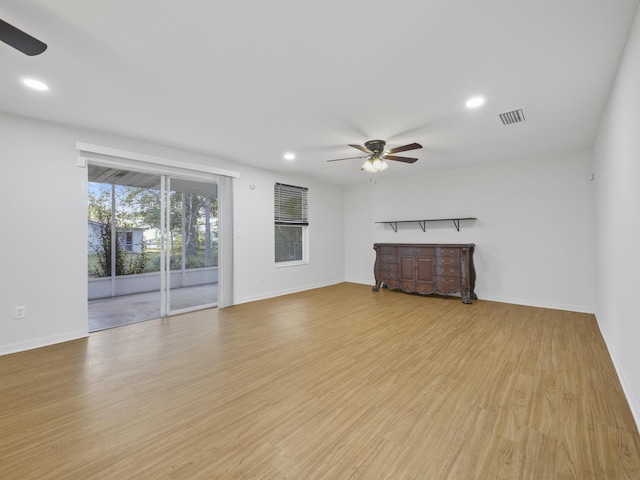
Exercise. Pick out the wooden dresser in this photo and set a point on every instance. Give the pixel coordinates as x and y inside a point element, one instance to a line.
<point>427,268</point>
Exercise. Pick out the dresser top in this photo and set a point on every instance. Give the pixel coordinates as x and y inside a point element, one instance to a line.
<point>447,245</point>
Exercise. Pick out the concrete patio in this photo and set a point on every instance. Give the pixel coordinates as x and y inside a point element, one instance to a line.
<point>127,309</point>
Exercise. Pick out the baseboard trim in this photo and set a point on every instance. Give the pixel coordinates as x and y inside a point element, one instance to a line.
<point>42,342</point>
<point>634,403</point>
<point>531,303</point>
<point>518,301</point>
<point>278,293</point>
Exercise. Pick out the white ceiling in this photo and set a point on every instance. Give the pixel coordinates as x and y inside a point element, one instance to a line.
<point>249,80</point>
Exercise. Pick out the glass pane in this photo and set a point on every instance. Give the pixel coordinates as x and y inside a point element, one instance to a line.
<point>288,243</point>
<point>193,244</point>
<point>136,222</point>
<point>123,213</point>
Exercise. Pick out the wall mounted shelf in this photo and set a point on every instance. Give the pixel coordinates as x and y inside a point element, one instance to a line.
<point>423,223</point>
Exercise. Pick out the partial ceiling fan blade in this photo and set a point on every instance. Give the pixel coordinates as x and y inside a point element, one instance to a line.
<point>361,148</point>
<point>400,159</point>
<point>404,148</point>
<point>20,40</point>
<point>348,158</point>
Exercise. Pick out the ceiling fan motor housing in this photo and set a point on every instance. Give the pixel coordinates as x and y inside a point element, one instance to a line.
<point>376,146</point>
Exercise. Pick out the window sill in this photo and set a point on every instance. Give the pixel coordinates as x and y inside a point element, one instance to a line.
<point>291,264</point>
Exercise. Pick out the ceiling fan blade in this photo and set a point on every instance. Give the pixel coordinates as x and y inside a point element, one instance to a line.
<point>348,158</point>
<point>361,148</point>
<point>20,40</point>
<point>404,148</point>
<point>400,159</point>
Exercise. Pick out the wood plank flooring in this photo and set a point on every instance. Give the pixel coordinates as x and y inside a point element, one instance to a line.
<point>334,383</point>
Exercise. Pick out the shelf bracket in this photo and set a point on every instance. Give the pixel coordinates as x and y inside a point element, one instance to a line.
<point>394,225</point>
<point>456,223</point>
<point>423,225</point>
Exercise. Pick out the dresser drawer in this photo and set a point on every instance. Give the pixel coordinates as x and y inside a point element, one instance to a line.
<point>390,259</point>
<point>446,271</point>
<point>446,252</point>
<point>388,250</point>
<point>447,284</point>
<point>388,268</point>
<point>389,279</point>
<point>423,251</point>
<point>447,261</point>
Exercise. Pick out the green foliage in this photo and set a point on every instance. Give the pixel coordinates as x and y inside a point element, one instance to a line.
<point>125,263</point>
<point>138,207</point>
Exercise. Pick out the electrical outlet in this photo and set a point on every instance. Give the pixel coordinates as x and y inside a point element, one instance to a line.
<point>21,312</point>
<point>261,277</point>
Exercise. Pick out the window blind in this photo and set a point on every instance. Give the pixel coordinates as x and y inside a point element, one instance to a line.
<point>290,204</point>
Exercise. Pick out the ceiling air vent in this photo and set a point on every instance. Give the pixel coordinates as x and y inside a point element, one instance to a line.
<point>514,116</point>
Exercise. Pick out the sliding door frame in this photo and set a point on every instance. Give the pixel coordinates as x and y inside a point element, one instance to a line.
<point>115,158</point>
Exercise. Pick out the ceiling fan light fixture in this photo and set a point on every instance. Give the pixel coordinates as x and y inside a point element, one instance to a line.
<point>377,155</point>
<point>374,164</point>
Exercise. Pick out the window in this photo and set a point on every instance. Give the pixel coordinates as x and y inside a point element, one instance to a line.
<point>291,224</point>
<point>128,241</point>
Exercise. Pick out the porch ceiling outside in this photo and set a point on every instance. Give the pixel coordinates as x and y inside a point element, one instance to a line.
<point>128,178</point>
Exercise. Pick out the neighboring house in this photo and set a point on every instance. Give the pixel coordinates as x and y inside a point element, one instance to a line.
<point>131,239</point>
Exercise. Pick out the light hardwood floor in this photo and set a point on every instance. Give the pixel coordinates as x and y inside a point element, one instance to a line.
<point>334,383</point>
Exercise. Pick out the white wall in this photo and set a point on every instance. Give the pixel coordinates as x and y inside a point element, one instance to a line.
<point>41,202</point>
<point>358,233</point>
<point>43,241</point>
<point>254,238</point>
<point>534,235</point>
<point>617,166</point>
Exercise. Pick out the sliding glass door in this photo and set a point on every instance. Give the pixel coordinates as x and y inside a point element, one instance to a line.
<point>152,246</point>
<point>192,244</point>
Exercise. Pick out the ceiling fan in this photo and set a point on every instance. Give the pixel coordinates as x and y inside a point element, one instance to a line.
<point>20,40</point>
<point>376,155</point>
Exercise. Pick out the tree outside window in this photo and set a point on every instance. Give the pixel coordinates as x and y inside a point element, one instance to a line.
<point>137,225</point>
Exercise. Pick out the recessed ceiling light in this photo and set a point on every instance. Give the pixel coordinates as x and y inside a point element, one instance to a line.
<point>474,102</point>
<point>35,84</point>
<point>289,156</point>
